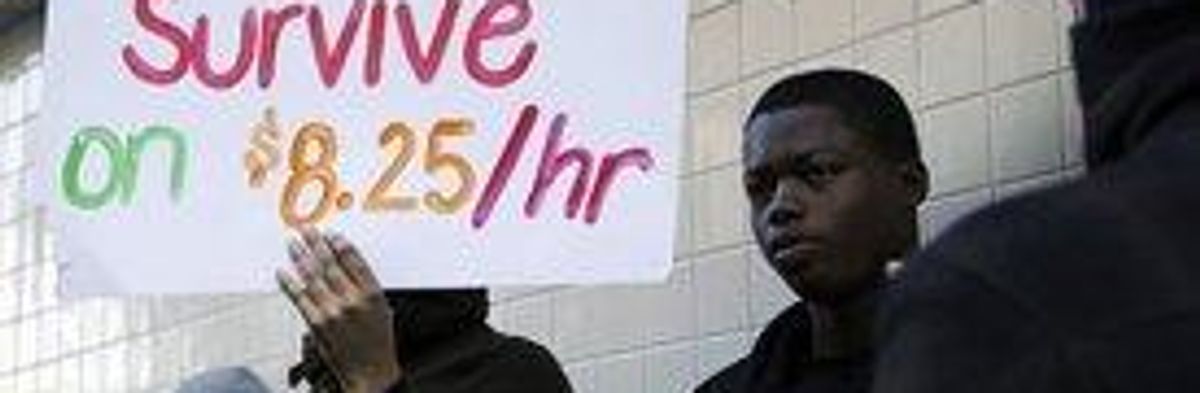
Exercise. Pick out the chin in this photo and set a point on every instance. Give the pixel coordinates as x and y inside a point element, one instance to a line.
<point>822,294</point>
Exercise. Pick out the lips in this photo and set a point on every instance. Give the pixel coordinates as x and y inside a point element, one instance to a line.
<point>794,253</point>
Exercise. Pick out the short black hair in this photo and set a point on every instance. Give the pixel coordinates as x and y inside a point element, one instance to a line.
<point>866,104</point>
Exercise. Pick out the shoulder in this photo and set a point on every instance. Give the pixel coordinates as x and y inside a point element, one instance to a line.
<point>1029,249</point>
<point>527,351</point>
<point>978,300</point>
<point>1008,262</point>
<point>528,364</point>
<point>1068,224</point>
<point>490,362</point>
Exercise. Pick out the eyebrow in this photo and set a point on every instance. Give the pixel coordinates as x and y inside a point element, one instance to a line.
<point>798,159</point>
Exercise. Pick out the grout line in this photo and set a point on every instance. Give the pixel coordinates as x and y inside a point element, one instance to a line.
<point>25,120</point>
<point>709,10</point>
<point>985,91</point>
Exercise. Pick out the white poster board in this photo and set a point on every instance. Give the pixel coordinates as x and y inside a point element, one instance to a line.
<point>457,142</point>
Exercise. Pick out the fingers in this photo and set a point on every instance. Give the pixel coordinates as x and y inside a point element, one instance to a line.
<point>340,298</point>
<point>329,268</point>
<point>296,293</point>
<point>331,276</point>
<point>354,265</point>
<point>312,281</point>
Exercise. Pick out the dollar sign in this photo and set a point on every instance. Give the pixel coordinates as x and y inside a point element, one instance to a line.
<point>263,155</point>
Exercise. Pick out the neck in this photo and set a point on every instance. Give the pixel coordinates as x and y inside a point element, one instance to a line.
<point>843,330</point>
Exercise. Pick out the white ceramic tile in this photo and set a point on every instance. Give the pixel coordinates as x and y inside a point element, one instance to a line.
<point>877,15</point>
<point>716,353</point>
<point>532,318</point>
<point>628,309</point>
<point>685,238</point>
<point>768,34</point>
<point>930,7</point>
<point>716,120</point>
<point>1027,135</point>
<point>721,210</point>
<point>573,317</point>
<point>721,292</point>
<point>671,368</point>
<point>952,56</point>
<point>714,49</point>
<point>894,57</point>
<point>769,295</point>
<point>670,307</point>
<point>1023,38</point>
<point>939,215</point>
<point>702,6</point>
<point>823,25</point>
<point>954,141</point>
<point>583,376</point>
<point>621,374</point>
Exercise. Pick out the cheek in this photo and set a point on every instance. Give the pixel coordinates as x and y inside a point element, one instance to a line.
<point>858,220</point>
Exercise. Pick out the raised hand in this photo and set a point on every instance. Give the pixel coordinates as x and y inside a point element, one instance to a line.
<point>344,306</point>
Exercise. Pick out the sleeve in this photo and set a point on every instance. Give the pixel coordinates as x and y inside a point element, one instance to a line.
<point>1135,66</point>
<point>523,366</point>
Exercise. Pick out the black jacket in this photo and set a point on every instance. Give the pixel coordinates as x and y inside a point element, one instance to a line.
<point>1092,286</point>
<point>448,347</point>
<point>781,361</point>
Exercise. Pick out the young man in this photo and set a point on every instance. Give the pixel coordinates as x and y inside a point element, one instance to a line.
<point>834,176</point>
<point>1092,286</point>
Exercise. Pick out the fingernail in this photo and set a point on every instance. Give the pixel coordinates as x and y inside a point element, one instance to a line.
<point>303,264</point>
<point>294,250</point>
<point>338,241</point>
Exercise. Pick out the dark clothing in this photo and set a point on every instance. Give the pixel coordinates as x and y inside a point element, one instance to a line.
<point>781,361</point>
<point>1093,286</point>
<point>446,346</point>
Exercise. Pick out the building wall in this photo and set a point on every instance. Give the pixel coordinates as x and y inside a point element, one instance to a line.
<point>989,81</point>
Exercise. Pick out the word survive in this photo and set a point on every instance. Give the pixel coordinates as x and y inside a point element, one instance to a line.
<point>261,30</point>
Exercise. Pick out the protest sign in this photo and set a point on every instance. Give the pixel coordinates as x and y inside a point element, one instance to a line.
<point>458,142</point>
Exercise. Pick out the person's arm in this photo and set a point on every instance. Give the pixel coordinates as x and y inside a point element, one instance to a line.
<point>344,306</point>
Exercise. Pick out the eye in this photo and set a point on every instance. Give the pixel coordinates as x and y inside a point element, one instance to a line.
<point>758,187</point>
<point>820,174</point>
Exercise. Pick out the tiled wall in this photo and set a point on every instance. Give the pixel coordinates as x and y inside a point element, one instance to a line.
<point>989,81</point>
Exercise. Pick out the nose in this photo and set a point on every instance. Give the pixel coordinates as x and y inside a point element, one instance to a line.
<point>787,205</point>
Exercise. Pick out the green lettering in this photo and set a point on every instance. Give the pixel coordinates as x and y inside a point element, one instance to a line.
<point>137,145</point>
<point>72,167</point>
<point>124,162</point>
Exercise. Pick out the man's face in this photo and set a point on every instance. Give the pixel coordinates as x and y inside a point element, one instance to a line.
<point>828,211</point>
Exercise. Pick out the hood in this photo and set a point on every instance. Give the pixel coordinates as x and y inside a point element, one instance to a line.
<point>1128,56</point>
<point>425,318</point>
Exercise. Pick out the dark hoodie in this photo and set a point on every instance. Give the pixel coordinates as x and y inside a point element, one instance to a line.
<point>1092,286</point>
<point>446,346</point>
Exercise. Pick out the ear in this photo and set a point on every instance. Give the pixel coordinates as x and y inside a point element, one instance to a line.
<point>914,179</point>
